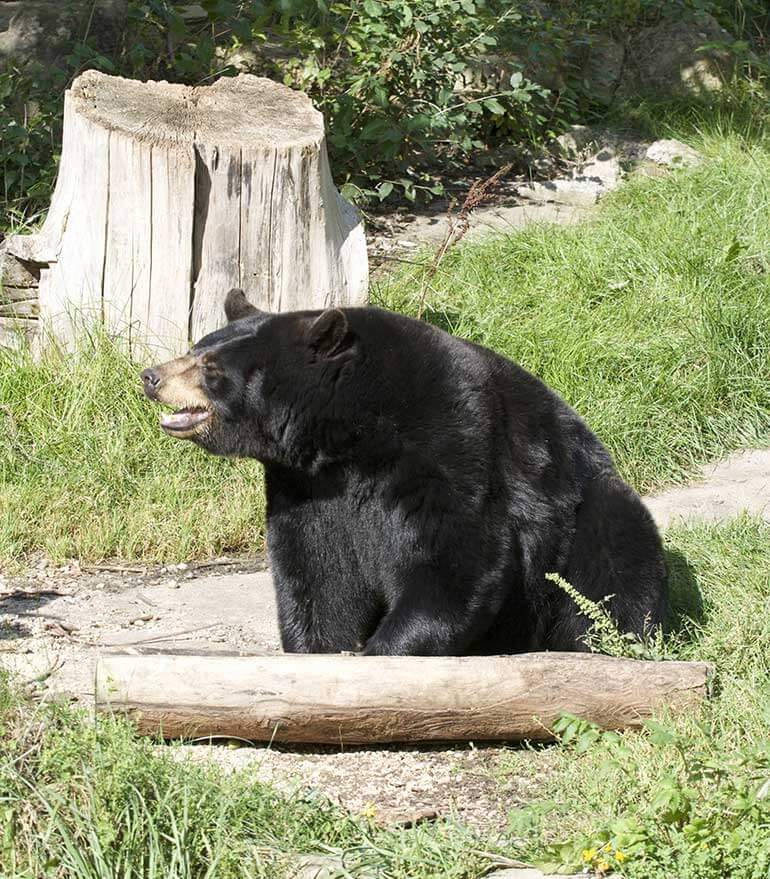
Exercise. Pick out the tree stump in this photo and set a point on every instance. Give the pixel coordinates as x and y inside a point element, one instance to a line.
<point>168,196</point>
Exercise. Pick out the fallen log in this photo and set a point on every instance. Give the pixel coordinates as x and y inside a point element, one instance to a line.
<point>354,699</point>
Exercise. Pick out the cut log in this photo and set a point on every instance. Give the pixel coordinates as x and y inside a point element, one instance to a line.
<point>354,699</point>
<point>168,196</point>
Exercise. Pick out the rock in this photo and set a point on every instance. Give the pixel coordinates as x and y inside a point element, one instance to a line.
<point>595,177</point>
<point>574,142</point>
<point>672,153</point>
<point>44,30</point>
<point>604,167</point>
<point>324,867</point>
<point>578,192</point>
<point>665,58</point>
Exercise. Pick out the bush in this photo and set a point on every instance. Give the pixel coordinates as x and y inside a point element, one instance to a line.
<point>409,88</point>
<point>384,74</point>
<point>396,82</point>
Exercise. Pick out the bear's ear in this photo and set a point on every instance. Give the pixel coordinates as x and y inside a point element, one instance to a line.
<point>237,305</point>
<point>329,334</point>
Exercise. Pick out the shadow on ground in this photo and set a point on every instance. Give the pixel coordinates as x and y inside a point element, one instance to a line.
<point>686,600</point>
<point>19,605</point>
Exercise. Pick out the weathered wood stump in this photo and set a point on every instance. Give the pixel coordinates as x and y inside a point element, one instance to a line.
<point>367,699</point>
<point>18,301</point>
<point>168,196</point>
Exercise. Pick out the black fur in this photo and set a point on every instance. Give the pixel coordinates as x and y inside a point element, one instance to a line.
<point>419,487</point>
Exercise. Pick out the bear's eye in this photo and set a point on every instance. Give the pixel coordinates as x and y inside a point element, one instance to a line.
<point>212,373</point>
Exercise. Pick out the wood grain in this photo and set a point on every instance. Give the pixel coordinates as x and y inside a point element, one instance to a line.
<point>355,699</point>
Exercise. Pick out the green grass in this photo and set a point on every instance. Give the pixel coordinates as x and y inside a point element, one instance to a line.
<point>684,799</point>
<point>85,470</point>
<point>691,797</point>
<point>85,801</point>
<point>653,320</point>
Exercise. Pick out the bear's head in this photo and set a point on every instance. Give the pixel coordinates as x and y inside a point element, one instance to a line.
<point>261,387</point>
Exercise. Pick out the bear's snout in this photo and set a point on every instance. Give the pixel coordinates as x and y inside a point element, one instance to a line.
<point>151,380</point>
<point>178,384</point>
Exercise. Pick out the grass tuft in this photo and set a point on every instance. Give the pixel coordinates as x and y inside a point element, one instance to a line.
<point>85,470</point>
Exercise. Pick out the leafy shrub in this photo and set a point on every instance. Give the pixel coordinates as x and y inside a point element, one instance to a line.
<point>30,134</point>
<point>408,87</point>
<point>385,75</point>
<point>395,80</point>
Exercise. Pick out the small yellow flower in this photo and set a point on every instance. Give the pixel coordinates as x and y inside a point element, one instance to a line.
<point>620,856</point>
<point>369,811</point>
<point>603,866</point>
<point>589,854</point>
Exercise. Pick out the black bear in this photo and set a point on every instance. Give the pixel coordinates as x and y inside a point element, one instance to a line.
<point>419,487</point>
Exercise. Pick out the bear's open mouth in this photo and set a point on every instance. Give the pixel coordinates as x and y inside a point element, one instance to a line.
<point>184,419</point>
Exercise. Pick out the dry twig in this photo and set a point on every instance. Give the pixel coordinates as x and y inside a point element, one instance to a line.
<point>478,194</point>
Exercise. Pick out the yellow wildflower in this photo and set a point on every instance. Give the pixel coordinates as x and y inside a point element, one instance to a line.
<point>603,866</point>
<point>369,811</point>
<point>620,856</point>
<point>589,854</point>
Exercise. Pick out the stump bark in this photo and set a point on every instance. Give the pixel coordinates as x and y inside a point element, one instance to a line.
<point>367,699</point>
<point>168,196</point>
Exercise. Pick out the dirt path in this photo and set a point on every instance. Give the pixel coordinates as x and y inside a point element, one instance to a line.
<point>740,483</point>
<point>56,622</point>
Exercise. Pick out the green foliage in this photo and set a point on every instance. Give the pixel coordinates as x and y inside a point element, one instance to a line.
<point>690,796</point>
<point>85,800</point>
<point>404,85</point>
<point>30,135</point>
<point>603,635</point>
<point>386,75</point>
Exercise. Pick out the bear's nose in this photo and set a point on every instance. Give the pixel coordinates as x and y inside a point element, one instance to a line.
<point>151,380</point>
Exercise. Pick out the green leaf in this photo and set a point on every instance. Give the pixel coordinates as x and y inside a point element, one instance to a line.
<point>384,189</point>
<point>373,8</point>
<point>350,191</point>
<point>494,106</point>
<point>659,735</point>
